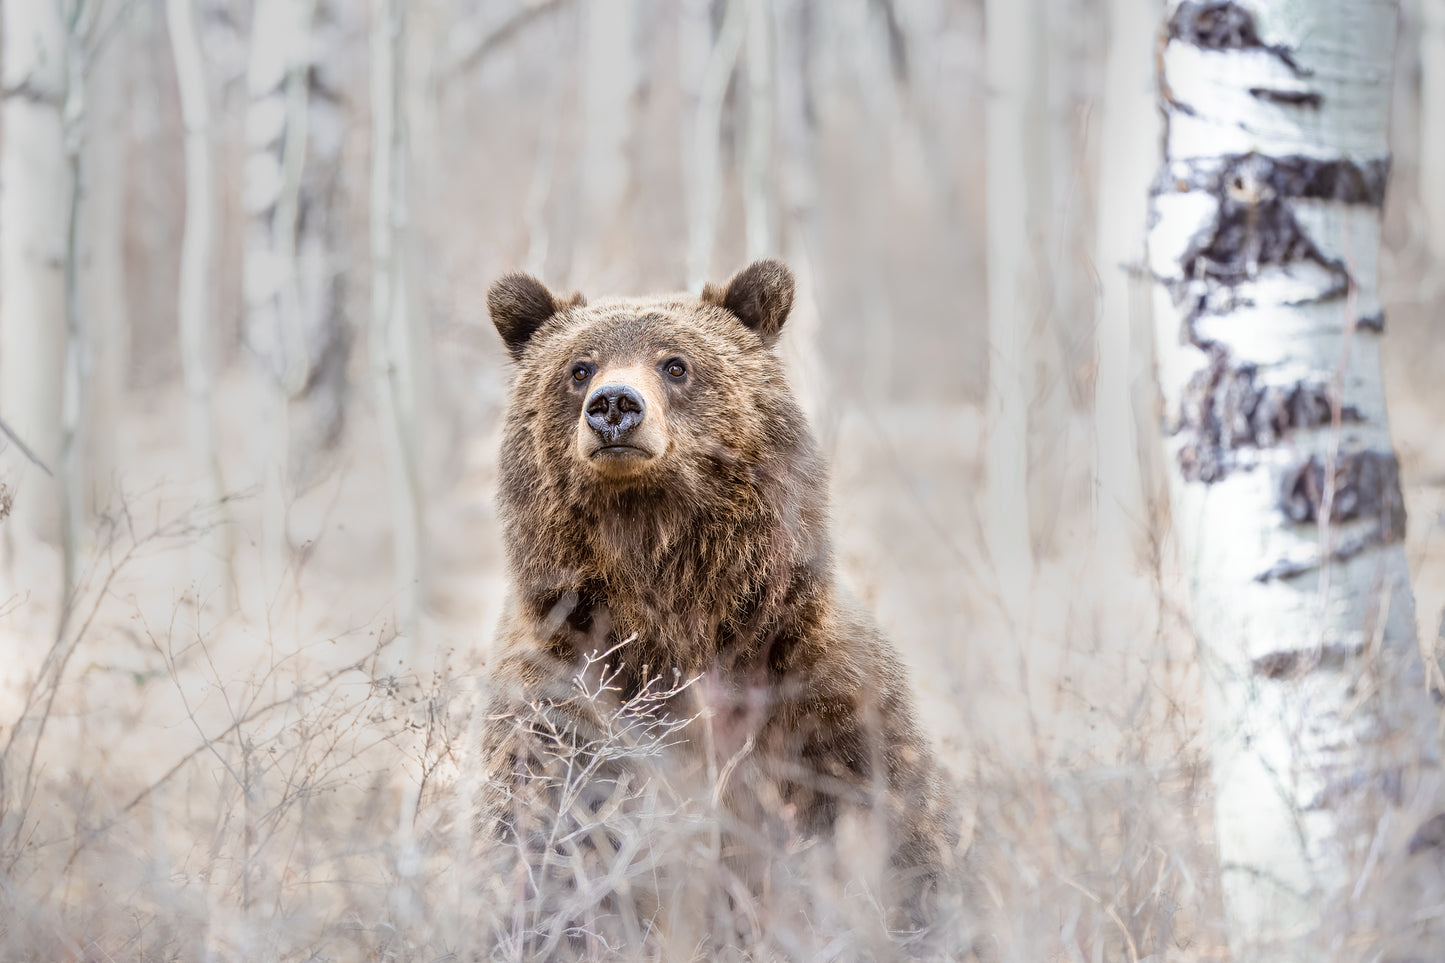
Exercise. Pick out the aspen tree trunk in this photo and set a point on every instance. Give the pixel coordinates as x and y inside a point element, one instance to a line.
<point>196,307</point>
<point>102,268</point>
<point>1286,492</point>
<point>759,207</point>
<point>35,203</point>
<point>392,341</point>
<point>798,191</point>
<point>1128,146</point>
<point>611,77</point>
<point>1017,175</point>
<point>292,276</point>
<point>1432,122</point>
<point>75,387</point>
<point>703,167</point>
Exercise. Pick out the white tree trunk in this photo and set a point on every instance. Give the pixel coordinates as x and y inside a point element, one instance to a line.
<point>1432,122</point>
<point>294,326</point>
<point>75,382</point>
<point>392,342</point>
<point>35,201</point>
<point>1128,146</point>
<point>196,305</point>
<point>759,207</point>
<point>1286,493</point>
<point>610,76</point>
<point>1017,198</point>
<point>798,191</point>
<point>102,262</point>
<point>703,166</point>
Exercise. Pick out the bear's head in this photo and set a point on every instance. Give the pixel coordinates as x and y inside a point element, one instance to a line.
<point>669,392</point>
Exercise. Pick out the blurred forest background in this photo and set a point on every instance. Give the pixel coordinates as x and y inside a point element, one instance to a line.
<point>244,250</point>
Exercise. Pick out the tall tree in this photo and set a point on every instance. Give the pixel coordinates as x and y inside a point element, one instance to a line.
<point>36,196</point>
<point>196,305</point>
<point>1128,145</point>
<point>294,323</point>
<point>1017,198</point>
<point>611,78</point>
<point>393,343</point>
<point>702,166</point>
<point>1285,489</point>
<point>293,278</point>
<point>1432,122</point>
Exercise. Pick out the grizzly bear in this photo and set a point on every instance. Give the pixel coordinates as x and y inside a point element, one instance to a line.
<point>675,611</point>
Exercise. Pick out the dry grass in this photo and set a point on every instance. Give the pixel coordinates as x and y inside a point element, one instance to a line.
<point>279,810</point>
<point>180,781</point>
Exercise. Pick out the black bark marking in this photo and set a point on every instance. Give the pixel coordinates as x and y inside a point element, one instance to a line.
<point>1292,176</point>
<point>1342,550</point>
<point>1216,25</point>
<point>1366,485</point>
<point>1373,322</point>
<point>34,93</point>
<point>1344,791</point>
<point>1225,408</point>
<point>1430,835</point>
<point>1254,227</point>
<point>1308,99</point>
<point>1289,663</point>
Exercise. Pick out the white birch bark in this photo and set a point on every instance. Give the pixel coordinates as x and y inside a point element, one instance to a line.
<point>75,382</point>
<point>392,341</point>
<point>1128,146</point>
<point>102,261</point>
<point>1285,489</point>
<point>759,208</point>
<point>703,168</point>
<point>1432,122</point>
<point>196,307</point>
<point>35,200</point>
<point>292,275</point>
<point>1017,175</point>
<point>798,190</point>
<point>610,78</point>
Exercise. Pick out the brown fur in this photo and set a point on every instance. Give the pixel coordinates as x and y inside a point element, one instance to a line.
<point>712,549</point>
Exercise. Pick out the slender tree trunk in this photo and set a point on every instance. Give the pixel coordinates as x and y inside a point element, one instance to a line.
<point>759,207</point>
<point>610,78</point>
<point>1286,493</point>
<point>102,268</point>
<point>196,307</point>
<point>1128,146</point>
<point>703,169</point>
<point>798,191</point>
<point>292,280</point>
<point>1432,122</point>
<point>392,341</point>
<point>35,204</point>
<point>75,389</point>
<point>1017,175</point>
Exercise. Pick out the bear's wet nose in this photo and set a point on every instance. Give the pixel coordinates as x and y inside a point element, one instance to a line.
<point>614,410</point>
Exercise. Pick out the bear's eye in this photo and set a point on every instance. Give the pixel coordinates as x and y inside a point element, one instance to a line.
<point>581,372</point>
<point>675,368</point>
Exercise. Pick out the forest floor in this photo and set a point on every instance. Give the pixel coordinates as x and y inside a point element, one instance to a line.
<point>192,764</point>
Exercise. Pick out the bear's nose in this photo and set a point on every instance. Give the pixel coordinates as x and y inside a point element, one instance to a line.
<point>614,410</point>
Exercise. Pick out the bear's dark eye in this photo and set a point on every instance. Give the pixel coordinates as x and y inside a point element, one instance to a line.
<point>581,372</point>
<point>675,368</point>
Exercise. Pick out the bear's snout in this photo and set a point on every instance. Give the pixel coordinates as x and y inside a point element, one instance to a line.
<point>613,411</point>
<point>622,428</point>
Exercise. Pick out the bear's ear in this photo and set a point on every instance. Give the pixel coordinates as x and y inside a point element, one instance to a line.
<point>761,295</point>
<point>520,304</point>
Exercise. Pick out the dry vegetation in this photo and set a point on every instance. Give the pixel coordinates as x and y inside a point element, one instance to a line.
<point>264,770</point>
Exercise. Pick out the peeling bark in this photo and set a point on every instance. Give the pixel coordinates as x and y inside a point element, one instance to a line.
<point>1264,240</point>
